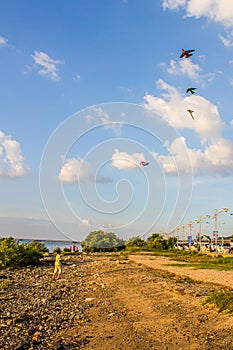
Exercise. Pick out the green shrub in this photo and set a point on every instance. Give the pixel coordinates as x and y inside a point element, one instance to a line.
<point>13,254</point>
<point>223,300</point>
<point>135,242</point>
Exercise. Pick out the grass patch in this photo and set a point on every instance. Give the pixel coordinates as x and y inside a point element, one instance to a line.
<point>223,300</point>
<point>197,260</point>
<point>207,263</point>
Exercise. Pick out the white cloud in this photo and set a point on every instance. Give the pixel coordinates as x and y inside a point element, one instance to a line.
<point>3,41</point>
<point>106,121</point>
<point>48,64</point>
<point>215,159</point>
<point>173,4</point>
<point>78,170</point>
<point>11,159</point>
<point>86,222</point>
<point>219,11</point>
<point>187,68</point>
<point>231,123</point>
<point>172,107</point>
<point>228,39</point>
<point>126,161</point>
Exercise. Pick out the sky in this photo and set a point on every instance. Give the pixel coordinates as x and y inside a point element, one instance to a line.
<point>88,91</point>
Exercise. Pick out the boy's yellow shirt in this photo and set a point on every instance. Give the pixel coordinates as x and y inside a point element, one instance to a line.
<point>57,259</point>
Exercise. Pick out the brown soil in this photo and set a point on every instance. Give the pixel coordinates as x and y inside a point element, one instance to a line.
<point>136,303</point>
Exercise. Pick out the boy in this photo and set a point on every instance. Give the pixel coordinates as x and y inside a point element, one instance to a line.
<point>57,265</point>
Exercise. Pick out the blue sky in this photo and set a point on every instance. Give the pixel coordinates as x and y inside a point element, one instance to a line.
<point>91,89</point>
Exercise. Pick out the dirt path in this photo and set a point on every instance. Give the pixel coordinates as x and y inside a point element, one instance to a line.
<point>224,278</point>
<point>137,307</point>
<point>107,303</point>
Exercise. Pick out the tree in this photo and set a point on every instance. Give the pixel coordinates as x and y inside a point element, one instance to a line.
<point>156,241</point>
<point>135,242</point>
<point>102,241</point>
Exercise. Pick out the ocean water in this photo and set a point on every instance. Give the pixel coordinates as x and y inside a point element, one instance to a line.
<point>51,245</point>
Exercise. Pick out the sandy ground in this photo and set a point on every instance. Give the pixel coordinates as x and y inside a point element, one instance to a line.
<point>224,278</point>
<point>109,302</point>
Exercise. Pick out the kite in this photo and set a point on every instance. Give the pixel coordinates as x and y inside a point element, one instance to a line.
<point>190,112</point>
<point>191,89</point>
<point>144,163</point>
<point>186,53</point>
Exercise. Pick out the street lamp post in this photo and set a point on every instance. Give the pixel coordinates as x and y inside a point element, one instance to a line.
<point>182,227</point>
<point>177,235</point>
<point>215,231</point>
<point>199,221</point>
<point>215,217</point>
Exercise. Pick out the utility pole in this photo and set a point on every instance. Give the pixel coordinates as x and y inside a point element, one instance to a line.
<point>215,217</point>
<point>200,228</point>
<point>177,235</point>
<point>182,227</point>
<point>215,232</point>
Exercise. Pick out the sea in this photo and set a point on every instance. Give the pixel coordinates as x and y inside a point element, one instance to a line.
<point>51,245</point>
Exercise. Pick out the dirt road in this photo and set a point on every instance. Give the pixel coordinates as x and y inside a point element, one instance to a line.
<point>110,303</point>
<point>224,278</point>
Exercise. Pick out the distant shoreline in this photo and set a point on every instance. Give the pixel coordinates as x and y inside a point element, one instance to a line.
<point>44,240</point>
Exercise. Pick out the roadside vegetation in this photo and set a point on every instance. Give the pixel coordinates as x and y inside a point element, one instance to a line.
<point>222,300</point>
<point>13,254</point>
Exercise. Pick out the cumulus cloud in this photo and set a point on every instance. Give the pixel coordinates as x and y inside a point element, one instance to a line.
<point>185,67</point>
<point>189,69</point>
<point>11,158</point>
<point>216,154</point>
<point>219,11</point>
<point>126,161</point>
<point>214,159</point>
<point>3,41</point>
<point>48,64</point>
<point>78,170</point>
<point>172,107</point>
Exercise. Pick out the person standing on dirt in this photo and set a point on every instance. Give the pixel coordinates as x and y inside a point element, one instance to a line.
<point>57,265</point>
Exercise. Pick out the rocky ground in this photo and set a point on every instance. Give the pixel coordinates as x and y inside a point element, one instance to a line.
<point>107,302</point>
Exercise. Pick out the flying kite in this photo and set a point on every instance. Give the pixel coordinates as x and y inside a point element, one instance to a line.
<point>190,112</point>
<point>191,89</point>
<point>186,53</point>
<point>144,163</point>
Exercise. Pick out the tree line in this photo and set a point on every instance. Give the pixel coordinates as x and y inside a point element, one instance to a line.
<point>14,254</point>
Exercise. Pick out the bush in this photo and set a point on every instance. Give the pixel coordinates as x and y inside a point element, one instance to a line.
<point>100,241</point>
<point>135,242</point>
<point>13,254</point>
<point>157,242</point>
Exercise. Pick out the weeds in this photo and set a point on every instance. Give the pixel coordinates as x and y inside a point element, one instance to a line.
<point>4,284</point>
<point>223,300</point>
